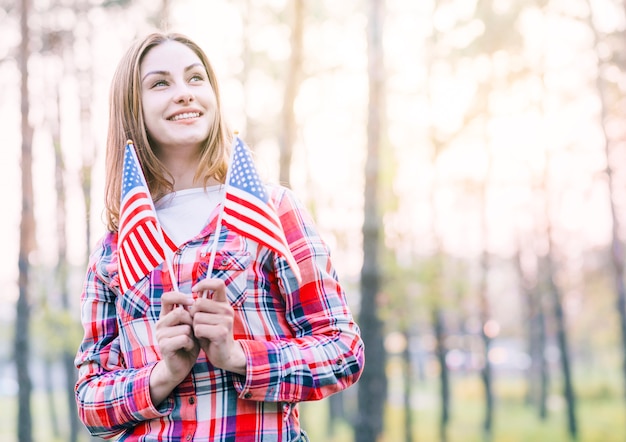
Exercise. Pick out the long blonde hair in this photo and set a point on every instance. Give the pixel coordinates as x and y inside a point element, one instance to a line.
<point>126,122</point>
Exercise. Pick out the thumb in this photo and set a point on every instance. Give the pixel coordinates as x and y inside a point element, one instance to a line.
<point>219,294</point>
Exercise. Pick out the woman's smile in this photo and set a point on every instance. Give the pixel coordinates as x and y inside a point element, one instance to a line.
<point>185,116</point>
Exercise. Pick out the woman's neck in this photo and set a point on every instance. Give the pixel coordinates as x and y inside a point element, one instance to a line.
<point>183,167</point>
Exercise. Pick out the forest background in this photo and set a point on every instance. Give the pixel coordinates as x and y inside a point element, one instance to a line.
<point>464,159</point>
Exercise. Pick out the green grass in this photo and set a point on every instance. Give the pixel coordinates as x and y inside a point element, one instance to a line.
<point>601,416</point>
<point>42,428</point>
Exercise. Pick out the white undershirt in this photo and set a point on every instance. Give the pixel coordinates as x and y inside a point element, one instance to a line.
<point>183,214</point>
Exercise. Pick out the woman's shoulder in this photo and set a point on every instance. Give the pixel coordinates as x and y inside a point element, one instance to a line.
<point>103,258</point>
<point>289,206</point>
<point>279,194</point>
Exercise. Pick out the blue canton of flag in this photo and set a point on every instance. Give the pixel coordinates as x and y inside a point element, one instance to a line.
<point>141,244</point>
<point>248,209</point>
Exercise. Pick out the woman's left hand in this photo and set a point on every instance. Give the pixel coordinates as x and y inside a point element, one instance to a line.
<point>213,319</point>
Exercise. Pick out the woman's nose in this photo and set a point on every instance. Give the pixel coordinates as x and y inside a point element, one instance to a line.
<point>183,94</point>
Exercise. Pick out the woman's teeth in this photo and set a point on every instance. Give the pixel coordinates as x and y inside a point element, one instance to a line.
<point>185,116</point>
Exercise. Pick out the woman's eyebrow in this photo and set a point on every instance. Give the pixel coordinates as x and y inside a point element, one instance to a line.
<point>193,66</point>
<point>165,73</point>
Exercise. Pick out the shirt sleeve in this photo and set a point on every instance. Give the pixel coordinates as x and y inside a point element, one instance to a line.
<point>110,397</point>
<point>326,354</point>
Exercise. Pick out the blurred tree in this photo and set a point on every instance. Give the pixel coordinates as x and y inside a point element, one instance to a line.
<point>402,311</point>
<point>82,52</point>
<point>373,384</point>
<point>610,95</point>
<point>556,298</point>
<point>66,46</point>
<point>499,35</point>
<point>62,268</point>
<point>163,21</point>
<point>528,271</point>
<point>409,383</point>
<point>287,137</point>
<point>552,263</point>
<point>245,12</point>
<point>51,51</point>
<point>27,244</point>
<point>434,283</point>
<point>483,285</point>
<point>533,270</point>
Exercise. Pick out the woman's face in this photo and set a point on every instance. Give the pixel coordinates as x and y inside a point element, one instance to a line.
<point>179,104</point>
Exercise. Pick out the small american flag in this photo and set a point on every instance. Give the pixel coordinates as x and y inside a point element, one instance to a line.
<point>248,210</point>
<point>141,242</point>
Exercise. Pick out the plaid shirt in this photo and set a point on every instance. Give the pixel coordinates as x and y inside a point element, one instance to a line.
<point>301,342</point>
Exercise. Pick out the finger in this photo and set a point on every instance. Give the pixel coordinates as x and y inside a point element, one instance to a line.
<point>172,344</point>
<point>219,294</point>
<point>175,331</point>
<point>215,333</point>
<point>211,307</point>
<point>176,317</point>
<point>214,288</point>
<point>170,300</point>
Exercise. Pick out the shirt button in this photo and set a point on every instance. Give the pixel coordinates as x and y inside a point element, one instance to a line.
<point>224,261</point>
<point>192,400</point>
<point>188,437</point>
<point>248,395</point>
<point>339,361</point>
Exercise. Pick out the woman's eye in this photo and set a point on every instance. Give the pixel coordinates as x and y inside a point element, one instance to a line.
<point>159,83</point>
<point>197,77</point>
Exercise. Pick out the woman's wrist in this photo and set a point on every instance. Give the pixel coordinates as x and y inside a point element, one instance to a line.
<point>236,362</point>
<point>162,382</point>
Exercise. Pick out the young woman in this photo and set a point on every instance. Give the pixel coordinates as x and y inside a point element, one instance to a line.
<point>161,362</point>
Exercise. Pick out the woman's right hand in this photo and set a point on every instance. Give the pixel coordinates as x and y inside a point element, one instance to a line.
<point>177,344</point>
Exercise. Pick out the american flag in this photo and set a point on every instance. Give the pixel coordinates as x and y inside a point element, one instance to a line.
<point>248,210</point>
<point>141,242</point>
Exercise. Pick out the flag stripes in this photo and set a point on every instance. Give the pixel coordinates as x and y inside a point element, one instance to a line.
<point>248,210</point>
<point>258,220</point>
<point>141,243</point>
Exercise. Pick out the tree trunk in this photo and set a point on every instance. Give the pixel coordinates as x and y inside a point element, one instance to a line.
<point>444,375</point>
<point>556,300</point>
<point>67,355</point>
<point>246,14</point>
<point>336,412</point>
<point>538,355</point>
<point>408,388</point>
<point>27,246</point>
<point>84,74</point>
<point>485,315</point>
<point>537,375</point>
<point>52,409</point>
<point>85,80</point>
<point>164,16</point>
<point>372,391</point>
<point>568,388</point>
<point>487,378</point>
<point>617,249</point>
<point>289,129</point>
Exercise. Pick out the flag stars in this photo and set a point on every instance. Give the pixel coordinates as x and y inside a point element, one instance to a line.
<point>244,175</point>
<point>131,177</point>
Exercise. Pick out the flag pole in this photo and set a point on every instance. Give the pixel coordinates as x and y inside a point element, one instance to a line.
<point>168,262</point>
<point>218,226</point>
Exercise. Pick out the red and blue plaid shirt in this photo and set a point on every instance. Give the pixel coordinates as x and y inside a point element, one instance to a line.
<point>301,342</point>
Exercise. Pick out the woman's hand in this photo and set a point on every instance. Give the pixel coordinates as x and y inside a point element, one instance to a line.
<point>213,319</point>
<point>178,346</point>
